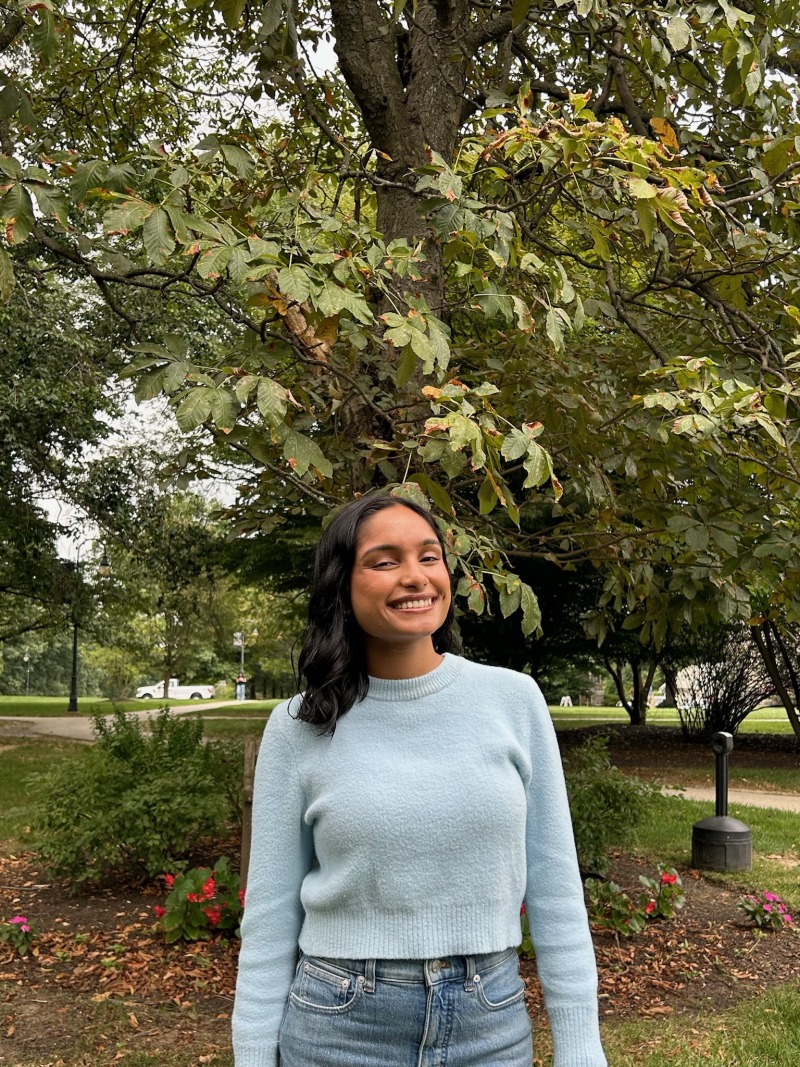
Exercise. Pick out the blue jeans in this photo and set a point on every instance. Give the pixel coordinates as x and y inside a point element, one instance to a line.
<point>463,1011</point>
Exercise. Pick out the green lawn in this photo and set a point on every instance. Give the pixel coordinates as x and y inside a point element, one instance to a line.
<point>21,764</point>
<point>51,707</point>
<point>763,720</point>
<point>762,1032</point>
<point>665,836</point>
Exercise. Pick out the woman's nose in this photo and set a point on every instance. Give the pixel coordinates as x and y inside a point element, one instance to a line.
<point>413,575</point>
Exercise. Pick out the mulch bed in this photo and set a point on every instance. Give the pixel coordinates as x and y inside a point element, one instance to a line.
<point>95,947</point>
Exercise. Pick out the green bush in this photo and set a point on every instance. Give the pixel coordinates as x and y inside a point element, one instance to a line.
<point>606,804</point>
<point>137,802</point>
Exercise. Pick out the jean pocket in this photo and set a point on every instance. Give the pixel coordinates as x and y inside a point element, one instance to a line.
<point>501,986</point>
<point>322,988</point>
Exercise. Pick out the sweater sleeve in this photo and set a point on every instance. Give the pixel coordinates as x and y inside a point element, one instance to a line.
<point>280,857</point>
<point>554,901</point>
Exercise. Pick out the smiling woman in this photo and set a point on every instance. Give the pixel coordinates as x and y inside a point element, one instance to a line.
<point>405,806</point>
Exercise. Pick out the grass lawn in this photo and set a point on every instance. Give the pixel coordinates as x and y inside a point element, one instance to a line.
<point>762,1032</point>
<point>21,764</point>
<point>762,720</point>
<point>51,707</point>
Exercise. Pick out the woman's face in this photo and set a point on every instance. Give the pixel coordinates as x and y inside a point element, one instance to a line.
<point>400,584</point>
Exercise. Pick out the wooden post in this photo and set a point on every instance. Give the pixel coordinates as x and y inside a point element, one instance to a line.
<point>250,754</point>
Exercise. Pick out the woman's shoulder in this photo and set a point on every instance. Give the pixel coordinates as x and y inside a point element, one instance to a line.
<point>487,674</point>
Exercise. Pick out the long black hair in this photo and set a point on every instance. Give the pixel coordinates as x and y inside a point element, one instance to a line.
<point>331,659</point>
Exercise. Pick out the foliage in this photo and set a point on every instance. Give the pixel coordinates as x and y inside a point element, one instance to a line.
<point>611,908</point>
<point>553,291</point>
<point>19,932</point>
<point>766,910</point>
<point>606,805</point>
<point>525,948</point>
<point>725,680</point>
<point>201,902</point>
<point>664,894</point>
<point>134,804</point>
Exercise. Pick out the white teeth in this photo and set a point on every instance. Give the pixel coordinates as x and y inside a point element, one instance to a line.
<point>408,604</point>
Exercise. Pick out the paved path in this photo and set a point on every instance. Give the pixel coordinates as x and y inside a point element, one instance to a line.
<point>755,798</point>
<point>78,727</point>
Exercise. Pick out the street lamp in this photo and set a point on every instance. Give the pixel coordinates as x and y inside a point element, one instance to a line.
<point>104,569</point>
<point>239,642</point>
<point>26,659</point>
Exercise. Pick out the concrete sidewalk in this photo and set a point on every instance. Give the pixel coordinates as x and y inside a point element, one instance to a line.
<point>79,728</point>
<point>753,798</point>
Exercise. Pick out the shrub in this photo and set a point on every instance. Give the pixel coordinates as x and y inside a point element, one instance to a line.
<point>136,803</point>
<point>606,805</point>
<point>665,894</point>
<point>201,902</point>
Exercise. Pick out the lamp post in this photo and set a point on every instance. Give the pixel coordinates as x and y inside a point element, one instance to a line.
<point>26,659</point>
<point>104,569</point>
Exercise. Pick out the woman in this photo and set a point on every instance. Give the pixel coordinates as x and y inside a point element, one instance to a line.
<point>405,804</point>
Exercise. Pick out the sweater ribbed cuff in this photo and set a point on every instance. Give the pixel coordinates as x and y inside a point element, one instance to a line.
<point>255,1055</point>
<point>576,1037</point>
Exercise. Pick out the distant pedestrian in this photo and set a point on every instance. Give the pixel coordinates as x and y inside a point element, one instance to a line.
<point>241,683</point>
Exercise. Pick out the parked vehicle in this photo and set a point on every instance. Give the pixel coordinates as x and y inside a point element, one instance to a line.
<point>175,691</point>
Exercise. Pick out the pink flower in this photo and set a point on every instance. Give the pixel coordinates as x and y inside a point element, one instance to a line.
<point>19,919</point>
<point>788,919</point>
<point>770,896</point>
<point>767,907</point>
<point>160,912</point>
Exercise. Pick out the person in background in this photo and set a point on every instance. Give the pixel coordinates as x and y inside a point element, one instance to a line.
<point>406,804</point>
<point>241,683</point>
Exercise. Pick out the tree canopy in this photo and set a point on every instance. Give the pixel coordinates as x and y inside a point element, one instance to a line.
<point>534,261</point>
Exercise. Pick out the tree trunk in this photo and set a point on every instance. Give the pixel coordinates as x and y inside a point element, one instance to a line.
<point>770,644</point>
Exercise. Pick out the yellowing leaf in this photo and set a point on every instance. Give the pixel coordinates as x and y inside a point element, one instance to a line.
<point>665,133</point>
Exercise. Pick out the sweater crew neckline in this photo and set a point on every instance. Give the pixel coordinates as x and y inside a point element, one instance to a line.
<point>399,689</point>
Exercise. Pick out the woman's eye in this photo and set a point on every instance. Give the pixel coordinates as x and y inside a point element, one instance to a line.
<point>433,558</point>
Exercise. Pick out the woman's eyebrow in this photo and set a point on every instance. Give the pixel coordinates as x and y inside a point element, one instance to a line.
<point>396,548</point>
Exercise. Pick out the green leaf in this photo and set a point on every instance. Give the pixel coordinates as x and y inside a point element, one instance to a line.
<point>16,207</point>
<point>510,595</point>
<point>555,329</point>
<point>487,497</point>
<point>271,400</point>
<point>158,237</point>
<point>519,12</point>
<point>195,408</point>
<point>231,11</point>
<point>642,189</point>
<point>126,217</point>
<point>538,466</point>
<point>10,100</point>
<point>678,33</point>
<point>89,175</point>
<point>240,161</point>
<point>52,202</point>
<point>294,281</point>
<point>212,263</point>
<point>515,445</point>
<point>531,613</point>
<point>6,275</point>
<point>224,409</point>
<point>405,366</point>
<point>302,454</point>
<point>271,15</point>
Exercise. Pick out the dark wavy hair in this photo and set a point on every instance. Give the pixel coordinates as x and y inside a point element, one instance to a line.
<point>331,661</point>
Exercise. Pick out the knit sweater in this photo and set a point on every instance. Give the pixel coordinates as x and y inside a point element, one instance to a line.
<point>437,806</point>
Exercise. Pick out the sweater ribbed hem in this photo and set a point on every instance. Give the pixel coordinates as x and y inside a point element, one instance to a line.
<point>400,689</point>
<point>576,1037</point>
<point>425,933</point>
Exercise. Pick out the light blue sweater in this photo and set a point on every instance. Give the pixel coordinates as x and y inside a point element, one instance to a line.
<point>438,804</point>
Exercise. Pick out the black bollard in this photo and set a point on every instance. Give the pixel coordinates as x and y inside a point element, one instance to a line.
<point>721,843</point>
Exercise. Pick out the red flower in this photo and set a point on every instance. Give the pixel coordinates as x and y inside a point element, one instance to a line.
<point>193,897</point>
<point>213,914</point>
<point>523,910</point>
<point>160,912</point>
<point>170,880</point>
<point>668,879</point>
<point>209,888</point>
<point>649,908</point>
<point>241,898</point>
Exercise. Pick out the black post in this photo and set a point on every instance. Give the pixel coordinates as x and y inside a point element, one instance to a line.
<point>72,708</point>
<point>722,781</point>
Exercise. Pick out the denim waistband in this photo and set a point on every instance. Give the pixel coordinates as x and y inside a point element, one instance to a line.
<point>443,968</point>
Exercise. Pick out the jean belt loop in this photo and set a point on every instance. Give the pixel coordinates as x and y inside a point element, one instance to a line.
<point>469,983</point>
<point>369,977</point>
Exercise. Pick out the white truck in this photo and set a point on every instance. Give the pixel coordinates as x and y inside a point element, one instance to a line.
<point>175,691</point>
